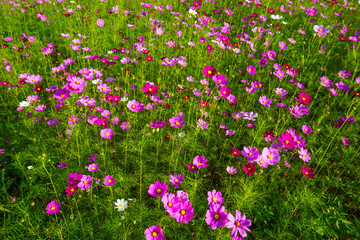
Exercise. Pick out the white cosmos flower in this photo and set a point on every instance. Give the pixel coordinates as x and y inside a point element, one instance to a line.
<point>25,104</point>
<point>276,17</point>
<point>121,205</point>
<point>96,81</point>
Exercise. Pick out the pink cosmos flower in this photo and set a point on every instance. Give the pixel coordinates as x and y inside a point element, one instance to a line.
<point>85,182</point>
<point>304,155</point>
<point>265,101</point>
<point>214,197</point>
<point>209,71</point>
<point>225,91</point>
<point>231,170</point>
<point>100,22</point>
<point>150,88</point>
<point>176,179</point>
<point>345,141</point>
<point>106,133</point>
<point>306,129</point>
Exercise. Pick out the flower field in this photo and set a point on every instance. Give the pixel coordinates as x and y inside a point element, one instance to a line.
<point>179,119</point>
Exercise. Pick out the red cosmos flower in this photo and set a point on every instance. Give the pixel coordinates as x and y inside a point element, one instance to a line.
<point>307,172</point>
<point>303,98</point>
<point>97,11</point>
<point>71,190</point>
<point>249,168</point>
<point>150,88</point>
<point>271,11</point>
<point>235,152</point>
<point>167,106</point>
<point>167,136</point>
<point>20,49</point>
<point>149,58</point>
<point>342,38</point>
<point>287,66</point>
<point>38,88</point>
<point>268,133</point>
<point>356,93</point>
<point>187,97</point>
<point>127,71</point>
<point>67,14</point>
<point>277,27</point>
<point>203,103</point>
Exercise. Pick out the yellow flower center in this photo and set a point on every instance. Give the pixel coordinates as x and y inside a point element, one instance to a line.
<point>52,208</point>
<point>85,182</point>
<point>154,234</point>
<point>216,216</point>
<point>169,204</point>
<point>158,191</point>
<point>209,72</point>
<point>176,180</point>
<point>269,156</point>
<point>182,212</point>
<point>249,169</point>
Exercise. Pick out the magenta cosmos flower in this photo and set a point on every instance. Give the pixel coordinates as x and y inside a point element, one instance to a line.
<point>154,233</point>
<point>200,162</point>
<point>216,216</point>
<point>238,224</point>
<point>225,92</point>
<point>209,71</point>
<point>109,181</point>
<point>100,22</point>
<point>287,140</point>
<point>106,133</point>
<point>150,88</point>
<point>158,189</point>
<point>176,179</point>
<point>53,207</point>
<point>185,212</point>
<point>251,70</point>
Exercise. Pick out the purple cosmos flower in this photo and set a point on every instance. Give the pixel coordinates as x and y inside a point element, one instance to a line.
<point>200,162</point>
<point>177,121</point>
<point>231,170</point>
<point>295,110</point>
<point>216,216</point>
<point>176,179</point>
<point>106,133</point>
<point>61,94</point>
<point>250,116</point>
<point>53,207</point>
<point>306,129</point>
<point>265,101</point>
<point>109,181</point>
<point>154,233</point>
<point>85,182</point>
<point>342,86</point>
<point>282,46</point>
<point>74,178</point>
<point>238,224</point>
<point>214,197</point>
<point>250,153</point>
<point>158,189</point>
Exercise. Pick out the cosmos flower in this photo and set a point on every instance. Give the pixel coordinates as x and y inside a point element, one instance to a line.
<point>239,224</point>
<point>216,216</point>
<point>158,189</point>
<point>100,22</point>
<point>53,207</point>
<point>307,172</point>
<point>154,233</point>
<point>249,168</point>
